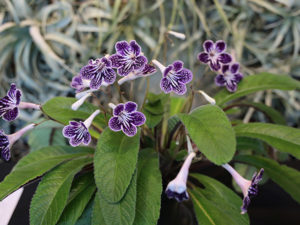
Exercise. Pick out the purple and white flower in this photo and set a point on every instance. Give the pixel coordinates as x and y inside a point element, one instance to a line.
<point>10,104</point>
<point>7,141</point>
<point>80,84</point>
<point>175,77</point>
<point>147,71</point>
<point>128,58</point>
<point>126,118</point>
<point>230,77</point>
<point>98,71</point>
<point>214,54</point>
<point>78,132</point>
<point>248,187</point>
<point>177,188</point>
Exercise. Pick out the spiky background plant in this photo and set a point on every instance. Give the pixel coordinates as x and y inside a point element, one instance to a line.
<point>43,45</point>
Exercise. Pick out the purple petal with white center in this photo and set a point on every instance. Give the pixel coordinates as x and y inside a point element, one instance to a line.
<point>106,62</point>
<point>234,68</point>
<point>114,124</point>
<point>116,60</point>
<point>231,86</point>
<point>130,107</point>
<point>119,108</point>
<point>148,69</point>
<point>109,76</point>
<point>129,130</point>
<point>138,118</point>
<point>74,142</point>
<point>225,68</point>
<point>165,85</point>
<point>184,76</point>
<point>203,57</point>
<point>220,46</point>
<point>224,58</point>
<point>140,62</point>
<point>125,69</point>
<point>135,47</point>
<point>220,80</point>
<point>122,48</point>
<point>77,133</point>
<point>69,131</point>
<point>214,65</point>
<point>167,70</point>
<point>208,46</point>
<point>178,65</point>
<point>238,77</point>
<point>87,138</point>
<point>179,89</point>
<point>96,82</point>
<point>11,115</point>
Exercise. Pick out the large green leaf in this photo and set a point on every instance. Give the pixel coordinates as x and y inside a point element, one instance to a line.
<point>37,163</point>
<point>258,82</point>
<point>216,204</point>
<point>283,138</point>
<point>286,177</point>
<point>51,195</point>
<point>212,132</point>
<point>115,163</point>
<point>97,217</point>
<point>59,109</point>
<point>86,217</point>
<point>80,195</point>
<point>149,188</point>
<point>123,212</point>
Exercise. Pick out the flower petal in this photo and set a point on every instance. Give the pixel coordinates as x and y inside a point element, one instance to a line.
<point>122,48</point>
<point>130,107</point>
<point>96,81</point>
<point>69,131</point>
<point>180,89</point>
<point>225,68</point>
<point>178,65</point>
<point>220,80</point>
<point>167,70</point>
<point>165,85</point>
<point>5,154</point>
<point>208,46</point>
<point>119,108</point>
<point>106,61</point>
<point>75,141</point>
<point>238,77</point>
<point>11,115</point>
<point>148,69</point>
<point>234,68</point>
<point>114,124</point>
<point>109,75</point>
<point>224,58</point>
<point>125,69</point>
<point>116,60</point>
<point>140,62</point>
<point>138,118</point>
<point>214,65</point>
<point>220,46</point>
<point>18,97</point>
<point>130,130</point>
<point>185,76</point>
<point>246,203</point>
<point>86,138</point>
<point>231,86</point>
<point>203,57</point>
<point>135,47</point>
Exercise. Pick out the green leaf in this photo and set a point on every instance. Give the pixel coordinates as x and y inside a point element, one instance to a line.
<point>59,109</point>
<point>123,212</point>
<point>211,131</point>
<point>80,195</point>
<point>86,217</point>
<point>149,188</point>
<point>51,195</point>
<point>115,162</point>
<point>283,138</point>
<point>97,217</point>
<point>258,82</point>
<point>37,163</point>
<point>216,204</point>
<point>245,143</point>
<point>176,105</point>
<point>287,178</point>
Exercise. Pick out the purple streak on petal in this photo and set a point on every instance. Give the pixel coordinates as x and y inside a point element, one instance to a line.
<point>18,97</point>
<point>12,91</point>
<point>69,131</point>
<point>165,85</point>
<point>86,138</point>
<point>75,124</point>
<point>178,65</point>
<point>257,177</point>
<point>114,124</point>
<point>85,72</point>
<point>220,46</point>
<point>75,141</point>
<point>203,57</point>
<point>224,58</point>
<point>148,69</point>
<point>109,76</point>
<point>225,68</point>
<point>140,62</point>
<point>96,82</point>
<point>214,65</point>
<point>246,203</point>
<point>234,68</point>
<point>220,80</point>
<point>180,89</point>
<point>185,76</point>
<point>238,77</point>
<point>116,60</point>
<point>130,107</point>
<point>106,61</point>
<point>135,47</point>
<point>138,118</point>
<point>167,70</point>
<point>77,83</point>
<point>122,48</point>
<point>4,146</point>
<point>125,69</point>
<point>11,115</point>
<point>231,86</point>
<point>208,46</point>
<point>119,108</point>
<point>130,130</point>
<point>5,154</point>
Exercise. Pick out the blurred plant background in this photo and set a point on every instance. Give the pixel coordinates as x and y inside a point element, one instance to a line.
<point>43,44</point>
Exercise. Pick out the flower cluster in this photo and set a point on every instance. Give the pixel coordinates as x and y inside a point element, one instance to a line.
<point>221,62</point>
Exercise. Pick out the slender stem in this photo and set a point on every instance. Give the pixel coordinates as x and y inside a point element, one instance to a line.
<point>184,171</point>
<point>14,137</point>
<point>29,105</point>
